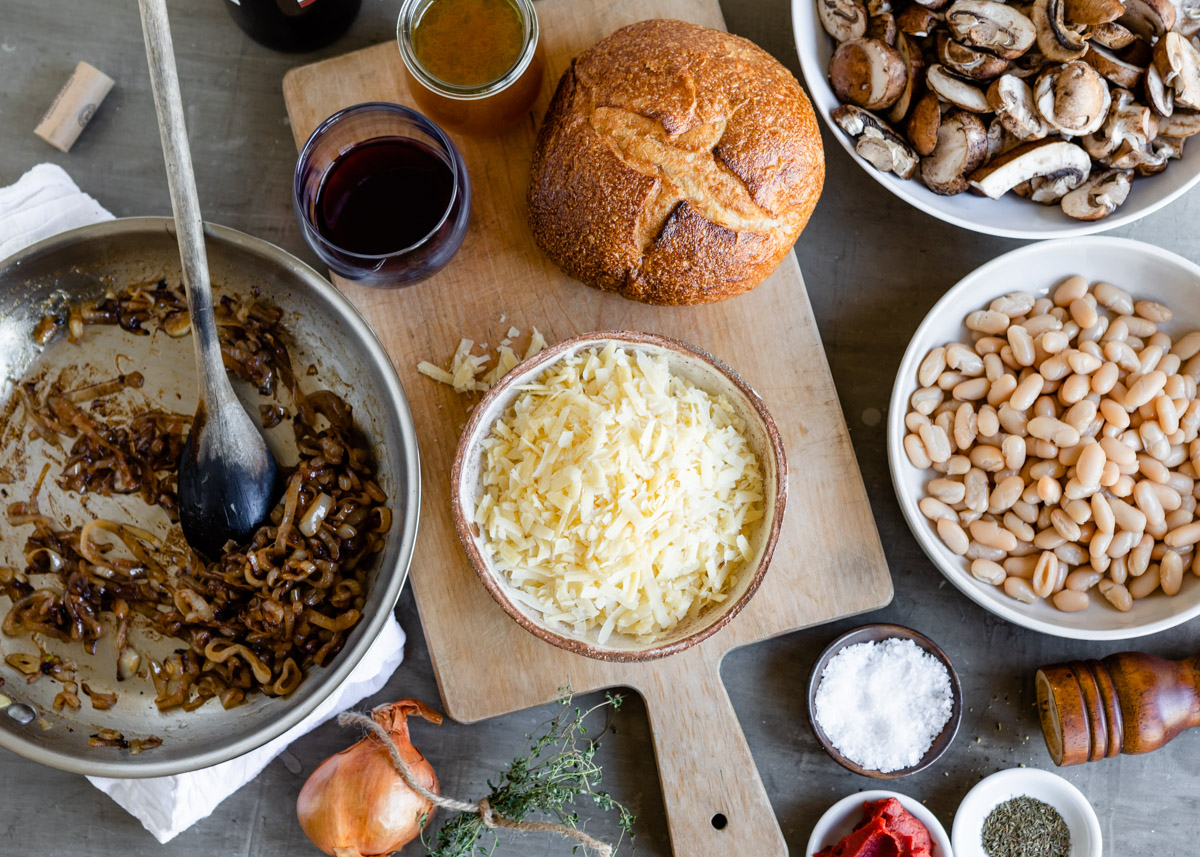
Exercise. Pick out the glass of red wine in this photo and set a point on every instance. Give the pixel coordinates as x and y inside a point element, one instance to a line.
<point>382,195</point>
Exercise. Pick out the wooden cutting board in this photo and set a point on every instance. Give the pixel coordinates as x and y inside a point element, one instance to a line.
<point>829,562</point>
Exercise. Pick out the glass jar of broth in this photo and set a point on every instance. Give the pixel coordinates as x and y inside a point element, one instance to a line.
<point>476,66</point>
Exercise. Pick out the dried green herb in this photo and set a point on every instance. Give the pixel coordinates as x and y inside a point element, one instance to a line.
<point>558,767</point>
<point>1025,827</point>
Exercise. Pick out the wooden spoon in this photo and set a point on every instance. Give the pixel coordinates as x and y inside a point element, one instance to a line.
<point>228,478</point>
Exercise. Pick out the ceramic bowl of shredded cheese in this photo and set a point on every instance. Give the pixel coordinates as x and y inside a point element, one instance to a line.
<point>620,494</point>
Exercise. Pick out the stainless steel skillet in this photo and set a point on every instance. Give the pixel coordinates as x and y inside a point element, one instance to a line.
<point>331,347</point>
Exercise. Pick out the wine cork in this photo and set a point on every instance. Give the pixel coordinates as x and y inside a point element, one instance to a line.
<point>74,106</point>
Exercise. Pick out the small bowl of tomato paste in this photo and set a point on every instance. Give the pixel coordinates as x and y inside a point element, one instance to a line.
<point>878,822</point>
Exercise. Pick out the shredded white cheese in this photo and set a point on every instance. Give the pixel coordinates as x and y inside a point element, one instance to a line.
<point>470,373</point>
<point>618,496</point>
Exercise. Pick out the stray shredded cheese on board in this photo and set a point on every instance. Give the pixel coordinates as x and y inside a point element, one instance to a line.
<point>466,369</point>
<point>618,496</point>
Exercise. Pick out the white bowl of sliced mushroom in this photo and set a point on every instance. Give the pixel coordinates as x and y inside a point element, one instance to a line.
<point>1043,437</point>
<point>1040,119</point>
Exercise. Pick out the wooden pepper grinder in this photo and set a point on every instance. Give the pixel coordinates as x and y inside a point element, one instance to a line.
<point>1129,702</point>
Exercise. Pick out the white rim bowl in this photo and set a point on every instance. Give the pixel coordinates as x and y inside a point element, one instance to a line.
<point>1010,216</point>
<point>1072,805</point>
<point>1141,269</point>
<point>841,818</point>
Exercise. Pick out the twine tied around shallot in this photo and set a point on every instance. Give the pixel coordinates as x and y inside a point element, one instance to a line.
<point>482,808</point>
<point>379,794</point>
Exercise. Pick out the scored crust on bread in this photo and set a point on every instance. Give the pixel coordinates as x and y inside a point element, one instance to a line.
<point>676,165</point>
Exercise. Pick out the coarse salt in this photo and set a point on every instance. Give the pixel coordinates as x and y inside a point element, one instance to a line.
<point>883,704</point>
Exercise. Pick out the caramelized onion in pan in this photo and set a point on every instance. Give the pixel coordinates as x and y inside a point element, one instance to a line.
<point>263,615</point>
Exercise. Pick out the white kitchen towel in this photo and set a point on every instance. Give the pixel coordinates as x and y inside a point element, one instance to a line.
<point>167,806</point>
<point>43,202</point>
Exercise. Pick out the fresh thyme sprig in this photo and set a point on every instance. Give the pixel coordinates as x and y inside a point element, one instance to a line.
<point>558,767</point>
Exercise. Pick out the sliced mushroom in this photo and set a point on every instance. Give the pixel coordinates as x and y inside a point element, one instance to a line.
<point>1181,123</point>
<point>999,140</point>
<point>843,19</point>
<point>1024,190</point>
<point>1055,39</point>
<point>1136,153</point>
<point>914,65</point>
<point>1187,17</point>
<point>878,7</point>
<point>1012,101</point>
<point>1171,148</point>
<point>1092,12</point>
<point>883,27</point>
<point>877,142</point>
<point>931,4</point>
<point>1112,68</point>
<point>868,73</point>
<point>1158,96</point>
<point>1139,52</point>
<point>1148,19</point>
<point>1099,196</point>
<point>918,21</point>
<point>1178,61</point>
<point>1054,158</point>
<point>1028,64</point>
<point>1049,190</point>
<point>1112,36</point>
<point>924,122</point>
<point>1153,161</point>
<point>956,89</point>
<point>1073,98</point>
<point>990,26</point>
<point>961,148</point>
<point>968,62</point>
<point>1126,121</point>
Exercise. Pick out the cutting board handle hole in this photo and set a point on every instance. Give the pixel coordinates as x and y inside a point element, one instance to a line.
<point>719,821</point>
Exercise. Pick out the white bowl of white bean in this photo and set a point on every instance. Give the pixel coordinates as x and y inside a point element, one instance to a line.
<point>1042,437</point>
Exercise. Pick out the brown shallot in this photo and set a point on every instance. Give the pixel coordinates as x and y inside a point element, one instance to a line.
<point>355,804</point>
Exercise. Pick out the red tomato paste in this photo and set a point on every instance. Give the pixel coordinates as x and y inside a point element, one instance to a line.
<point>887,829</point>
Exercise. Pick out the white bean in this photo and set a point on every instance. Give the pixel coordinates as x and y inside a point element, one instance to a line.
<point>1142,586</point>
<point>1053,430</point>
<point>1113,298</point>
<point>963,359</point>
<point>1187,346</point>
<point>988,321</point>
<point>976,490</point>
<point>1153,311</point>
<point>1045,575</point>
<point>973,389</point>
<point>934,509</point>
<point>1118,596</point>
<point>1070,289</point>
<point>1170,573</point>
<point>937,443</point>
<point>1019,588</point>
<point>953,536</point>
<point>988,572</point>
<point>1070,601</point>
<point>993,535</point>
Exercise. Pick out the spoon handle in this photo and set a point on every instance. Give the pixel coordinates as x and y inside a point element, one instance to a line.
<point>185,203</point>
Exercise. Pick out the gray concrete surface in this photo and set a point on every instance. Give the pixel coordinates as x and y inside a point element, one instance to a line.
<point>873,267</point>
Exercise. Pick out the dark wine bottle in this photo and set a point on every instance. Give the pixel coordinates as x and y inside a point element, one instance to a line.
<point>294,26</point>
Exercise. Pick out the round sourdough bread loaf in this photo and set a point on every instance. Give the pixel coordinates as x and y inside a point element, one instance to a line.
<point>676,165</point>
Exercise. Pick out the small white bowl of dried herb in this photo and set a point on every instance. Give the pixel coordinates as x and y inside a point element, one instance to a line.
<point>1029,812</point>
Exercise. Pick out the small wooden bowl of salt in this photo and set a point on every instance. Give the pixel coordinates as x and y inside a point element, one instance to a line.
<point>884,701</point>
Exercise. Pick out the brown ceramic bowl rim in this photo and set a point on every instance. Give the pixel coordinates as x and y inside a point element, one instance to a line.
<point>941,742</point>
<point>472,435</point>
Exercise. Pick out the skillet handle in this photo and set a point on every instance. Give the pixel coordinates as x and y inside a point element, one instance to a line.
<point>715,800</point>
